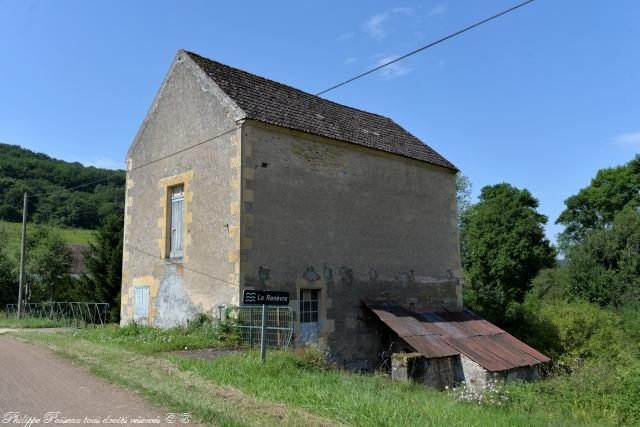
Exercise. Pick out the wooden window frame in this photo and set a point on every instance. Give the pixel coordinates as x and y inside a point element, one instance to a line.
<point>310,309</point>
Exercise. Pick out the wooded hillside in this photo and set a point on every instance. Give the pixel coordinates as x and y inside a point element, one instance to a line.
<point>86,207</point>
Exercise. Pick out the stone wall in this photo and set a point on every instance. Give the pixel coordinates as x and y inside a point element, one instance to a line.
<point>436,372</point>
<point>188,109</point>
<point>271,208</point>
<point>351,222</point>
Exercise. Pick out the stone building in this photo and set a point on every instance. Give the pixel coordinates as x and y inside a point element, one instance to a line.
<point>275,188</point>
<point>442,347</point>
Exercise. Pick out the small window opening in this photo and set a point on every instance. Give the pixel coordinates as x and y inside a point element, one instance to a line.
<point>309,305</point>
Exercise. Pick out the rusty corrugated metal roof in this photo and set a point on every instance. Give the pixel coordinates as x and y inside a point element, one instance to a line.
<point>442,332</point>
<point>431,346</point>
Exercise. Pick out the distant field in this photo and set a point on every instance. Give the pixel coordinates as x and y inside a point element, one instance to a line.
<point>70,235</point>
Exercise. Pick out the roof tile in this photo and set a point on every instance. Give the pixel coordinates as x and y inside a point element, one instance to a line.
<point>281,105</point>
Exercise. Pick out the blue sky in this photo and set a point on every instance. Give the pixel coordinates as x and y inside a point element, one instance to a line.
<point>541,98</point>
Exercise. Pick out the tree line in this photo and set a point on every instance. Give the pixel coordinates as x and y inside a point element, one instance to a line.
<point>506,255</point>
<point>582,310</point>
<point>98,206</point>
<point>48,268</point>
<point>36,173</point>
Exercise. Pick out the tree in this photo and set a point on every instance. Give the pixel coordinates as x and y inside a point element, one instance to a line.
<point>463,195</point>
<point>85,207</point>
<point>503,248</point>
<point>595,206</point>
<point>104,262</point>
<point>8,276</point>
<point>551,285</point>
<point>48,263</point>
<point>604,268</point>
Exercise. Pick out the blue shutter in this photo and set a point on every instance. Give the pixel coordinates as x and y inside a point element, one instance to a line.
<point>141,304</point>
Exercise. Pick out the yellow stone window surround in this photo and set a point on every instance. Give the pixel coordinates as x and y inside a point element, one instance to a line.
<point>166,184</point>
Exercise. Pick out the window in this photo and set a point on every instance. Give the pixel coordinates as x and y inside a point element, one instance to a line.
<point>309,305</point>
<point>309,325</point>
<point>176,217</point>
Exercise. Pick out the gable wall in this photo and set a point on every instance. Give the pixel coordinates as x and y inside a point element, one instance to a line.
<point>352,222</point>
<point>188,109</point>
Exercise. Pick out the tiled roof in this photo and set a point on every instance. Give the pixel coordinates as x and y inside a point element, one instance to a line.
<point>445,332</point>
<point>278,104</point>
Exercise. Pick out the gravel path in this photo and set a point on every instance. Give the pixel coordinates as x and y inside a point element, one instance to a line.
<point>34,383</point>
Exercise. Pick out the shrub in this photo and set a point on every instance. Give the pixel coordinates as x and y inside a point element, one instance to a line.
<point>585,332</point>
<point>315,355</point>
<point>201,320</point>
<point>550,285</point>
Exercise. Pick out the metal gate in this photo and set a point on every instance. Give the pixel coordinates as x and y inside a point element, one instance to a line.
<point>248,321</point>
<point>78,313</point>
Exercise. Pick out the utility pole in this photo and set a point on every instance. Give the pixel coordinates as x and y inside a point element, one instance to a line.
<point>22,250</point>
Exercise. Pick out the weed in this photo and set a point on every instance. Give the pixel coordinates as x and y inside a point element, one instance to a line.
<point>492,392</point>
<point>315,355</point>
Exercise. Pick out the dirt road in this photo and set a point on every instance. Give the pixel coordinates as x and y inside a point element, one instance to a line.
<point>36,387</point>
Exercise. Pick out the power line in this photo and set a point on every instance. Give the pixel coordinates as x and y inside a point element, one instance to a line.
<point>177,263</point>
<point>386,64</point>
<point>138,167</point>
<point>71,188</point>
<point>185,149</point>
<point>235,128</point>
<point>413,52</point>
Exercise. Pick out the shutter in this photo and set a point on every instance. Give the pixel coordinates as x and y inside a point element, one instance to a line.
<point>177,202</point>
<point>141,304</point>
<point>177,212</point>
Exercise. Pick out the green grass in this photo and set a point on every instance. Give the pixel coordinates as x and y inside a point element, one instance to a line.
<point>159,381</point>
<point>147,340</point>
<point>596,381</point>
<point>29,322</point>
<point>599,391</point>
<point>354,399</point>
<point>597,356</point>
<point>70,235</point>
<point>295,381</point>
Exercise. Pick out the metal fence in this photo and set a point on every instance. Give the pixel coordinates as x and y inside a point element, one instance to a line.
<point>248,321</point>
<point>78,313</point>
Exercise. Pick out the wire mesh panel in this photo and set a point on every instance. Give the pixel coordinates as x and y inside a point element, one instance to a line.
<point>248,321</point>
<point>78,313</point>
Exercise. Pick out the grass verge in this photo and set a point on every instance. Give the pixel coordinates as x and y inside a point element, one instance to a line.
<point>362,400</point>
<point>290,388</point>
<point>10,321</point>
<point>202,332</point>
<point>161,382</point>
